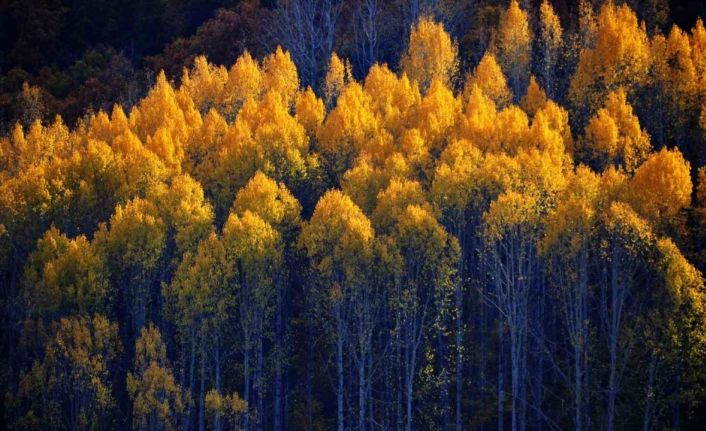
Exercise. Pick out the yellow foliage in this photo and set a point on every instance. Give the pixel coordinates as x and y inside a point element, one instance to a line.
<point>338,238</point>
<point>514,44</point>
<point>436,115</point>
<point>455,178</point>
<point>155,395</point>
<point>269,200</point>
<point>549,26</point>
<point>509,213</point>
<point>614,136</point>
<point>627,227</point>
<point>422,240</point>
<point>571,222</point>
<point>348,128</point>
<point>535,98</point>
<point>392,99</point>
<point>392,202</point>
<point>184,209</point>
<point>337,76</point>
<point>310,111</point>
<point>65,276</point>
<point>280,75</point>
<point>661,186</point>
<point>431,54</point>
<point>256,247</point>
<point>620,57</point>
<point>245,80</point>
<point>684,282</point>
<point>206,84</point>
<point>490,80</point>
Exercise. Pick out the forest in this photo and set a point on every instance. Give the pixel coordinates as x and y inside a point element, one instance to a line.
<point>404,215</point>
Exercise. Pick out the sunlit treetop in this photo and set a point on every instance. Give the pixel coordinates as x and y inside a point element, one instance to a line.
<point>431,54</point>
<point>514,44</point>
<point>205,83</point>
<point>625,226</point>
<point>348,128</point>
<point>65,276</point>
<point>392,97</point>
<point>614,135</point>
<point>509,214</point>
<point>535,98</point>
<point>661,186</point>
<point>683,281</point>
<point>436,115</point>
<point>183,207</point>
<point>570,224</point>
<point>310,111</point>
<point>455,181</point>
<point>338,238</point>
<point>280,75</point>
<point>550,26</point>
<point>244,79</point>
<point>392,202</point>
<point>619,57</point>
<point>337,76</point>
<point>423,240</point>
<point>270,200</point>
<point>255,245</point>
<point>490,79</point>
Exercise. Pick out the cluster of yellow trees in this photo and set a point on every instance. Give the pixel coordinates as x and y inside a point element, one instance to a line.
<point>412,250</point>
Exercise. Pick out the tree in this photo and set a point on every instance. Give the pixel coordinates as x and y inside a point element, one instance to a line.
<point>620,57</point>
<point>551,42</point>
<point>197,303</point>
<point>514,45</point>
<point>455,191</point>
<point>65,277</point>
<point>307,28</point>
<point>347,129</point>
<point>568,244</point>
<point>70,387</point>
<point>511,231</point>
<point>156,397</point>
<point>535,98</point>
<point>131,244</point>
<point>244,80</point>
<point>489,79</point>
<point>338,242</point>
<point>275,205</point>
<point>205,83</point>
<point>338,75</point>
<point>393,98</point>
<point>280,75</point>
<point>661,187</point>
<point>614,135</point>
<point>424,257</point>
<point>627,236</point>
<point>254,248</point>
<point>431,54</point>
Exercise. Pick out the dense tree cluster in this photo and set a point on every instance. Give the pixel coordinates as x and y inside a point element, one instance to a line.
<point>516,247</point>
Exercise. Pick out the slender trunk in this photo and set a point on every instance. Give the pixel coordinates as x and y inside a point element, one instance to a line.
<point>339,370</point>
<point>501,377</point>
<point>277,405</point>
<point>459,354</point>
<point>649,393</point>
<point>217,360</point>
<point>362,389</point>
<point>202,393</point>
<point>259,383</point>
<point>246,386</point>
<point>309,374</point>
<point>613,340</point>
